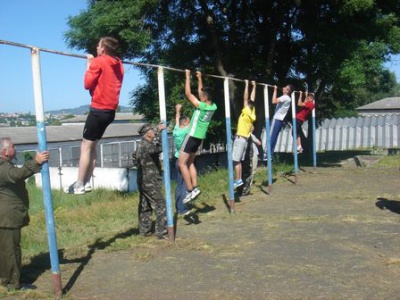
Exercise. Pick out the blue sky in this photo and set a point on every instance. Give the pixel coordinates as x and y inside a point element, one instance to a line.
<point>42,24</point>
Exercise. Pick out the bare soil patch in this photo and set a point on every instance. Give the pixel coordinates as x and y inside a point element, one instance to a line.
<point>332,235</point>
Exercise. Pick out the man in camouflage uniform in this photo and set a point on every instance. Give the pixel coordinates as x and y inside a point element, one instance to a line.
<point>149,179</point>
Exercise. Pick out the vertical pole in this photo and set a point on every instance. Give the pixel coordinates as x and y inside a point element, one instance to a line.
<point>119,155</point>
<point>294,129</point>
<point>268,137</point>
<point>60,163</point>
<point>48,202</point>
<point>314,144</point>
<point>229,145</point>
<point>167,179</point>
<point>101,156</point>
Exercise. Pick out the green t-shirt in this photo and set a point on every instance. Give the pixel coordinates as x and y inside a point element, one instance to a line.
<point>179,135</point>
<point>201,119</point>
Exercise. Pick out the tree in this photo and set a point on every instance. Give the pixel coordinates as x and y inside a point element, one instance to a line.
<point>336,47</point>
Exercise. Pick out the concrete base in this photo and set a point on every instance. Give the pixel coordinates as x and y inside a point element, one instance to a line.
<point>120,179</point>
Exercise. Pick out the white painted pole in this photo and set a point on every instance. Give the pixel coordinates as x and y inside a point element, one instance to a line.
<point>268,137</point>
<point>294,129</point>
<point>314,138</point>
<point>229,145</point>
<point>48,202</point>
<point>167,177</point>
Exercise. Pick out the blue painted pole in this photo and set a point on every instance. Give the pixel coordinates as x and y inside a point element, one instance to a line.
<point>48,202</point>
<point>229,145</point>
<point>165,148</point>
<point>296,164</point>
<point>268,137</point>
<point>314,145</point>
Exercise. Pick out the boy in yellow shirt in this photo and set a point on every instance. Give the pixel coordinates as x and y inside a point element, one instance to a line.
<point>243,132</point>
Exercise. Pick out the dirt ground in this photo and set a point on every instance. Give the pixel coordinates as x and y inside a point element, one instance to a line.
<point>335,234</point>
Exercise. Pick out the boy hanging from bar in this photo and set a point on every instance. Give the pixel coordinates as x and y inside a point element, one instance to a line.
<point>282,108</point>
<point>204,110</point>
<point>243,132</point>
<point>306,108</point>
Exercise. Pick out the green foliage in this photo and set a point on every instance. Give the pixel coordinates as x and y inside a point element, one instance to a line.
<point>122,19</point>
<point>66,117</point>
<point>337,48</point>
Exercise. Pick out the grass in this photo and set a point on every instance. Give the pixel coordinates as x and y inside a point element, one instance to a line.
<point>389,161</point>
<point>96,217</point>
<point>99,216</point>
<point>108,220</point>
<point>102,214</point>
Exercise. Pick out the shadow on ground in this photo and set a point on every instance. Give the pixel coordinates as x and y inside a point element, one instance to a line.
<point>392,205</point>
<point>41,263</point>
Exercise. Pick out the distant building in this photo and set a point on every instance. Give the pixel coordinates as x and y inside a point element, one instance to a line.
<point>120,117</point>
<point>386,106</point>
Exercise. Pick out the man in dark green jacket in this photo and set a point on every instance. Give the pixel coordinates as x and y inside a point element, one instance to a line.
<point>14,205</point>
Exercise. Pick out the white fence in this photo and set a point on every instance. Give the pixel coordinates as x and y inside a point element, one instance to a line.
<point>350,134</point>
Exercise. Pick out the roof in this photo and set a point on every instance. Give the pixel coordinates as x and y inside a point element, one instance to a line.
<point>28,135</point>
<point>118,117</point>
<point>368,121</point>
<point>383,104</point>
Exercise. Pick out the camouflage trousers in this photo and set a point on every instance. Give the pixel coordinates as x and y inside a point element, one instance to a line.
<point>248,170</point>
<point>151,200</point>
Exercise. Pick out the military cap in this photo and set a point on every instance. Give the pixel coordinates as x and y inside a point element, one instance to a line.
<point>144,128</point>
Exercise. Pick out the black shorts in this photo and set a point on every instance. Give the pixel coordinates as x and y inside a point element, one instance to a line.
<point>298,127</point>
<point>191,144</point>
<point>96,124</point>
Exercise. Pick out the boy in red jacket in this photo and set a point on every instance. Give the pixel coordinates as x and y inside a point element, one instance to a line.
<point>103,79</point>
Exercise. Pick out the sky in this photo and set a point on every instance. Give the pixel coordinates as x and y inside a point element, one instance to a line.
<point>42,24</point>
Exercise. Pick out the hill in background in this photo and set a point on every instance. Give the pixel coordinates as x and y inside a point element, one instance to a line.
<point>81,110</point>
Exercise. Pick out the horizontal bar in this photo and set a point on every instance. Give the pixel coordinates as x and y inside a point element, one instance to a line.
<point>126,62</point>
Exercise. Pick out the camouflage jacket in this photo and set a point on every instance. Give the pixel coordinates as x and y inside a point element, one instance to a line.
<point>147,159</point>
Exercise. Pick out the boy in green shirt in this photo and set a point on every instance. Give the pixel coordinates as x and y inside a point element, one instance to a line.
<point>179,133</point>
<point>199,123</point>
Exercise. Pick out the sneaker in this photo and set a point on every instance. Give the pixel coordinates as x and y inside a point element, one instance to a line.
<point>195,193</point>
<point>237,183</point>
<point>188,197</point>
<point>299,150</point>
<point>27,287</point>
<point>163,237</point>
<point>20,287</point>
<point>245,194</point>
<point>74,189</point>
<point>191,218</point>
<point>79,190</point>
<point>88,187</point>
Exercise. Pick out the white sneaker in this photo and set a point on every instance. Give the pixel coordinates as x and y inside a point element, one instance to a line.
<point>88,187</point>
<point>299,150</point>
<point>188,197</point>
<point>73,189</point>
<point>237,183</point>
<point>195,193</point>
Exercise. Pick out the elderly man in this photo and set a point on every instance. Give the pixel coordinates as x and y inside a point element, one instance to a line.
<point>14,205</point>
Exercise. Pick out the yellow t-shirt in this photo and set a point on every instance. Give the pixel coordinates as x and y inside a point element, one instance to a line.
<point>246,119</point>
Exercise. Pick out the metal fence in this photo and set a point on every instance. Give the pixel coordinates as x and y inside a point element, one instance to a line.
<point>110,155</point>
<point>367,132</point>
<point>333,134</point>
